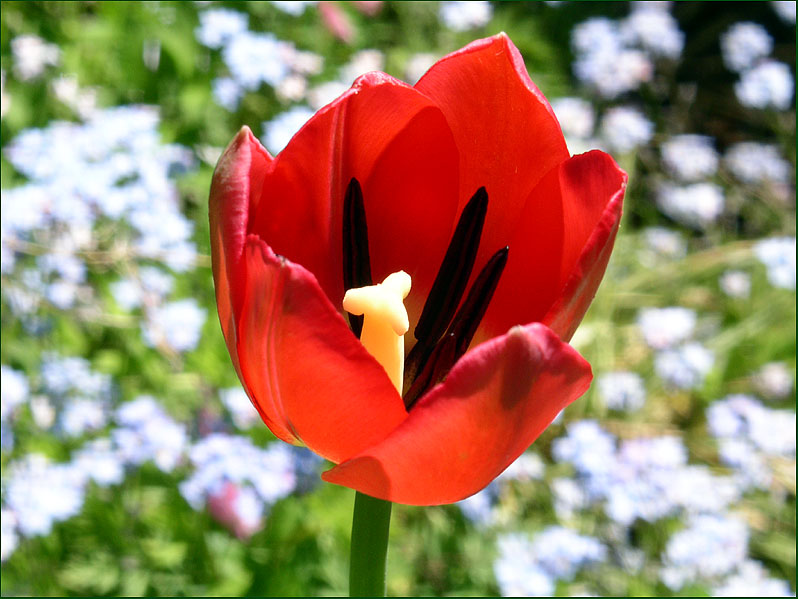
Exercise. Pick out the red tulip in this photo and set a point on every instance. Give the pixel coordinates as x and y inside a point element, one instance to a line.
<point>474,120</point>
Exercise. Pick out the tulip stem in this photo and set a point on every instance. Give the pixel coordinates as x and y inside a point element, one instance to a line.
<point>369,549</point>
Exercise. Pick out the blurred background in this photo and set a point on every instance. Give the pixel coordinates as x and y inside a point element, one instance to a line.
<point>132,461</point>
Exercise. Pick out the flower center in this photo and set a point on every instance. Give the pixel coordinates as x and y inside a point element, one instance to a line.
<point>437,347</point>
<point>384,321</point>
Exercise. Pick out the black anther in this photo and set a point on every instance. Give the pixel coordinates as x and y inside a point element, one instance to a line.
<point>357,266</point>
<point>470,314</point>
<point>450,283</point>
<point>437,366</point>
<point>414,361</point>
<point>426,368</point>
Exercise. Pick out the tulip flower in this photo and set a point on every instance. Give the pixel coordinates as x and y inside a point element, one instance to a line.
<point>465,183</point>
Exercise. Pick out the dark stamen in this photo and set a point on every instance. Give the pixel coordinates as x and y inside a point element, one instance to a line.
<point>417,357</point>
<point>470,314</point>
<point>436,367</point>
<point>449,285</point>
<point>436,364</point>
<point>357,266</point>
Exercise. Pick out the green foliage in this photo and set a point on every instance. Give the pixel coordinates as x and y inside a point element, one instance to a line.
<point>142,538</point>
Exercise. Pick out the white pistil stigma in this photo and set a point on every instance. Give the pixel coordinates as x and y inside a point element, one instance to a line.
<point>384,322</point>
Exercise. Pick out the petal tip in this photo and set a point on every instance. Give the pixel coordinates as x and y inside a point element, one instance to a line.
<point>244,136</point>
<point>243,145</point>
<point>374,79</point>
<point>369,477</point>
<point>244,131</point>
<point>504,38</point>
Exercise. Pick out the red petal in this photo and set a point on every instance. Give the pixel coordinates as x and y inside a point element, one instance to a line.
<point>562,238</point>
<point>396,142</point>
<point>505,130</point>
<point>588,268</point>
<point>494,403</point>
<point>307,372</point>
<point>239,172</point>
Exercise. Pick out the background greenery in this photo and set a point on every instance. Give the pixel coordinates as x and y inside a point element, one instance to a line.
<point>142,537</point>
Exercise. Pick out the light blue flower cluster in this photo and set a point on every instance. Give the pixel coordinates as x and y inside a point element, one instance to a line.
<point>14,389</point>
<point>625,128</point>
<point>577,119</point>
<point>665,327</point>
<point>684,367</point>
<point>764,82</point>
<point>293,7</point>
<point>37,492</point>
<point>679,362</point>
<point>32,55</point>
<point>82,396</point>
<point>615,57</point>
<point>775,380</point>
<point>238,480</point>
<point>242,412</point>
<point>754,163</point>
<point>650,479</point>
<point>744,44</point>
<point>147,287</point>
<point>463,16</point>
<point>736,284</point>
<point>516,571</point>
<point>710,547</point>
<point>176,325</point>
<point>480,508</point>
<point>690,157</point>
<point>662,245</point>
<point>114,166</point>
<point>41,493</point>
<point>778,256</point>
<point>750,578</point>
<point>219,26</point>
<point>645,478</point>
<point>110,173</point>
<point>527,568</point>
<point>253,58</point>
<point>278,131</point>
<point>785,9</point>
<point>145,432</point>
<point>622,390</point>
<point>750,435</point>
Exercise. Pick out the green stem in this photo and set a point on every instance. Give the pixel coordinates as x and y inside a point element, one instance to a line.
<point>369,550</point>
